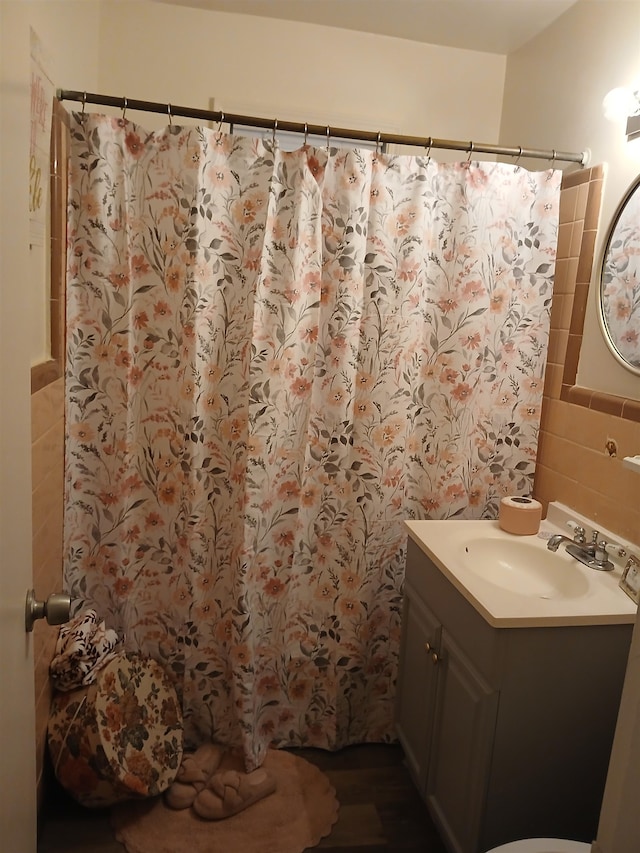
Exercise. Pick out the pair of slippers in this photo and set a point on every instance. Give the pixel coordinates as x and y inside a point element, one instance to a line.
<point>215,795</point>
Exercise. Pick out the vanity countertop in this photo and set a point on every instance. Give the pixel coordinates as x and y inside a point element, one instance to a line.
<point>590,598</point>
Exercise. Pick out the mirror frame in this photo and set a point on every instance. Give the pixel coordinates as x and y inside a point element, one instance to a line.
<point>604,326</point>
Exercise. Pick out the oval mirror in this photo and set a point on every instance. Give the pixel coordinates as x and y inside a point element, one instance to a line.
<point>620,282</point>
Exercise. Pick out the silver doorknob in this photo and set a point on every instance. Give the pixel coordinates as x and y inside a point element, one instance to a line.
<point>56,609</point>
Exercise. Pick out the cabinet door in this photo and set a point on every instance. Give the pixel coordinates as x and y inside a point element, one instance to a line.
<point>416,690</point>
<point>466,709</point>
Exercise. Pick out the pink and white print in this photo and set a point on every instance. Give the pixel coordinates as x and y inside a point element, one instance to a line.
<point>273,360</point>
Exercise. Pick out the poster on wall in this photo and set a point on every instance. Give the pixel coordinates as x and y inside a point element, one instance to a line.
<point>42,93</point>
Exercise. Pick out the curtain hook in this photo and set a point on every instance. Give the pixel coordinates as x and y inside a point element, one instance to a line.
<point>470,151</point>
<point>328,136</point>
<point>429,150</point>
<point>124,108</point>
<point>306,133</point>
<point>553,159</point>
<point>220,122</point>
<point>274,141</point>
<point>378,143</point>
<point>84,102</point>
<point>519,154</point>
<point>169,114</point>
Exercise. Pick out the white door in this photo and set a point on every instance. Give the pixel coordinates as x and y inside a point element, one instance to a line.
<point>17,712</point>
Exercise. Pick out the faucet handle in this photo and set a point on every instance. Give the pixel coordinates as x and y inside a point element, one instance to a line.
<point>579,535</point>
<point>594,537</point>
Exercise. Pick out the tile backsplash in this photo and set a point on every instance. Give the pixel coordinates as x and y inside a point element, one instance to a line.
<point>584,434</point>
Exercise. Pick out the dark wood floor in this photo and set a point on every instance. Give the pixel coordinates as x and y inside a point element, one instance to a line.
<point>380,809</point>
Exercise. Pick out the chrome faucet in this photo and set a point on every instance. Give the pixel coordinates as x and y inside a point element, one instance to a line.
<point>593,554</point>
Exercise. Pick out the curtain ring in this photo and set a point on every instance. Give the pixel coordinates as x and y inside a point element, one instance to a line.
<point>124,108</point>
<point>328,136</point>
<point>274,141</point>
<point>169,114</point>
<point>519,154</point>
<point>429,149</point>
<point>84,102</point>
<point>470,152</point>
<point>553,159</point>
<point>378,143</point>
<point>306,133</point>
<point>221,120</point>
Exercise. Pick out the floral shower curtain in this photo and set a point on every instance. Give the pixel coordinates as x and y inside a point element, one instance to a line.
<point>273,359</point>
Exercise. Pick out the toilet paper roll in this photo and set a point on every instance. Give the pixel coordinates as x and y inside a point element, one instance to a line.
<point>521,516</point>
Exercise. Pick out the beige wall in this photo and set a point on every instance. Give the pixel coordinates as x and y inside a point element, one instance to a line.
<point>553,99</point>
<point>300,72</point>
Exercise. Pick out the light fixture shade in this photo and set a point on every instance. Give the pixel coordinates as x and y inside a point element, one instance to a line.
<point>633,127</point>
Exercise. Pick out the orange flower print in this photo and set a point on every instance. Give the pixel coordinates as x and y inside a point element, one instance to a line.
<point>140,320</point>
<point>131,533</point>
<point>134,145</point>
<point>462,392</point>
<point>349,579</point>
<point>109,497</point>
<point>274,587</point>
<point>498,301</point>
<point>308,495</point>
<point>455,492</point>
<point>430,503</point>
<point>161,309</point>
<point>301,387</point>
<point>364,382</point>
<point>385,434</point>
<point>152,520</point>
<point>315,167</point>
<point>232,429</point>
<point>268,684</point>
<point>449,375</point>
<point>175,278</point>
<point>122,586</point>
<point>288,489</point>
<point>325,592</point>
<point>135,376</point>
<point>473,290</point>
<point>447,303</point>
<point>529,411</point>
<point>139,266</point>
<point>240,655</point>
<point>120,276</point>
<point>90,205</point>
<point>187,389</point>
<point>82,431</point>
<point>224,630</point>
<point>309,334</point>
<point>76,775</point>
<point>471,341</point>
<point>300,689</point>
<point>349,606</point>
<point>284,538</point>
<point>337,396</point>
<point>168,492</point>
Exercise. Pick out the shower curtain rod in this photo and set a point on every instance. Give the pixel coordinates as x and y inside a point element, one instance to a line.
<point>320,130</point>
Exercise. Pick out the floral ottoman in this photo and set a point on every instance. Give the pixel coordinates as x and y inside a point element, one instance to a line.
<point>121,737</point>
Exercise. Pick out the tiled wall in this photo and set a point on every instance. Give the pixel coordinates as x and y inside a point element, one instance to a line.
<point>47,436</point>
<point>584,434</point>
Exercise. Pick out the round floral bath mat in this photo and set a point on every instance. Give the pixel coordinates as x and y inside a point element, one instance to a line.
<point>300,812</point>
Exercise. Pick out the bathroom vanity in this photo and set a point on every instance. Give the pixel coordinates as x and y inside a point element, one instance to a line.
<point>507,700</point>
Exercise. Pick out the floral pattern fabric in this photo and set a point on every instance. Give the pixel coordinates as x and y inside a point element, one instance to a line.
<point>121,737</point>
<point>274,358</point>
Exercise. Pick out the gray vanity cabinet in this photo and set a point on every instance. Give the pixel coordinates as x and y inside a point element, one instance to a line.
<point>506,731</point>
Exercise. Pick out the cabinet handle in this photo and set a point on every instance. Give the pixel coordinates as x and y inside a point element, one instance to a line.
<point>430,650</point>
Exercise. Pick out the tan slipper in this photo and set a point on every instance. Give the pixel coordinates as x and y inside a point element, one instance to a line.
<point>193,774</point>
<point>228,793</point>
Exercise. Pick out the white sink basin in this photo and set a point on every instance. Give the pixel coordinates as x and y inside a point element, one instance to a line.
<point>515,581</point>
<point>524,568</point>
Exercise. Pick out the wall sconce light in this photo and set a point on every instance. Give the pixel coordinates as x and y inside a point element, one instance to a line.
<point>620,104</point>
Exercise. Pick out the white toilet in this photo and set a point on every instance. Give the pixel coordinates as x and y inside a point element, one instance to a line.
<point>542,845</point>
